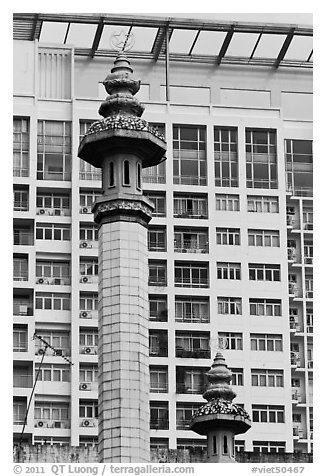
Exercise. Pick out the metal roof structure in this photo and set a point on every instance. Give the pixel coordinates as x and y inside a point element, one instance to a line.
<point>173,39</point>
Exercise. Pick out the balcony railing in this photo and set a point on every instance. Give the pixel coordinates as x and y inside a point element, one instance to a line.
<point>161,316</point>
<point>189,180</point>
<point>158,351</point>
<point>159,424</point>
<point>23,381</point>
<point>299,432</point>
<point>23,276</point>
<point>294,290</point>
<point>262,183</point>
<point>192,283</point>
<point>90,175</point>
<point>292,255</point>
<point>182,424</point>
<point>292,222</point>
<point>296,326</point>
<point>300,191</point>
<point>56,176</point>
<point>63,280</point>
<point>58,212</point>
<point>190,247</point>
<point>194,317</point>
<point>160,388</point>
<point>23,238</point>
<point>20,172</point>
<point>47,423</point>
<point>193,354</point>
<point>183,388</point>
<point>58,352</point>
<point>159,212</point>
<point>22,347</point>
<point>308,226</point>
<point>153,246</point>
<point>298,397</point>
<point>154,178</point>
<point>22,310</point>
<point>188,213</point>
<point>21,206</point>
<point>152,281</point>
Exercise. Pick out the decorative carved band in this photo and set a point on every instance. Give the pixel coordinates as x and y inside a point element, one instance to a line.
<point>124,210</point>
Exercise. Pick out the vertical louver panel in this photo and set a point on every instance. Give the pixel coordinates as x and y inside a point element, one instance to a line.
<point>54,74</point>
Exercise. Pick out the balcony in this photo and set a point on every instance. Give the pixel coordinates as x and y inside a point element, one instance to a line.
<point>88,244</point>
<point>189,180</point>
<point>192,317</point>
<point>158,350</point>
<point>299,433</point>
<point>191,283</point>
<point>88,349</point>
<point>192,354</point>
<point>262,183</point>
<point>160,388</point>
<point>296,361</point>
<point>57,352</point>
<point>88,386</point>
<point>21,206</point>
<point>189,213</point>
<point>153,178</point>
<point>308,226</point>
<point>53,175</point>
<point>300,191</point>
<point>292,255</point>
<point>296,326</point>
<point>57,281</point>
<point>20,172</point>
<point>195,390</point>
<point>297,397</point>
<point>182,424</point>
<point>90,175</point>
<point>88,314</point>
<point>155,246</point>
<point>294,290</point>
<point>190,247</point>
<point>88,422</point>
<point>156,281</point>
<point>159,424</point>
<point>88,279</point>
<point>23,238</point>
<point>47,423</point>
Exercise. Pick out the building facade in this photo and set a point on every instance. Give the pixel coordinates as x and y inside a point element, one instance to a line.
<point>230,242</point>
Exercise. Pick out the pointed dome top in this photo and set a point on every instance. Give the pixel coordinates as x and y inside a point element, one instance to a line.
<point>219,377</point>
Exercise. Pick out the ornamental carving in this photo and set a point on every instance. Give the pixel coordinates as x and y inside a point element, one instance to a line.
<point>221,407</point>
<point>126,205</point>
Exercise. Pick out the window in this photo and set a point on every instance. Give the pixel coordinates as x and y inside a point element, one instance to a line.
<point>307,218</point>
<point>261,158</point>
<point>21,147</point>
<point>22,305</point>
<point>237,377</point>
<point>126,173</point>
<point>53,373</point>
<point>191,380</point>
<point>228,236</point>
<point>20,271</point>
<point>191,309</point>
<point>268,446</point>
<point>53,272</point>
<point>88,373</point>
<point>88,339</point>
<point>265,307</point>
<point>159,415</point>
<point>52,204</point>
<point>184,412</point>
<point>264,238</point>
<point>267,378</point>
<point>191,445</point>
<point>227,203</point>
<point>309,285</point>
<point>159,203</point>
<point>19,409</point>
<point>229,305</point>
<point>111,174</point>
<point>54,150</point>
<point>52,301</point>
<point>190,206</point>
<point>157,239</point>
<point>228,270</point>
<point>52,231</point>
<point>298,155</point>
<point>266,342</point>
<point>268,413</point>
<point>190,240</point>
<point>192,344</point>
<point>226,157</point>
<point>157,444</point>
<point>191,275</point>
<point>264,272</point>
<point>189,155</point>
<point>158,308</point>
<point>88,409</point>
<point>86,200</point>
<point>308,251</point>
<point>158,343</point>
<point>88,267</point>
<point>57,412</point>
<point>230,340</point>
<point>20,339</point>
<point>88,302</point>
<point>139,175</point>
<point>158,379</point>
<point>21,200</point>
<point>157,173</point>
<point>86,170</point>
<point>60,340</point>
<point>23,235</point>
<point>157,274</point>
<point>262,204</point>
<point>88,234</point>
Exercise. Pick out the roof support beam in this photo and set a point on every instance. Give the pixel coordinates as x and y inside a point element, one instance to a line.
<point>309,57</point>
<point>158,43</point>
<point>167,64</point>
<point>34,27</point>
<point>194,42</point>
<point>256,44</point>
<point>97,38</point>
<point>225,45</point>
<point>284,48</point>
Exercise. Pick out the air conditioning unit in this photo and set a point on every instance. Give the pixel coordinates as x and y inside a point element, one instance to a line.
<point>23,309</point>
<point>43,211</point>
<point>88,422</point>
<point>41,424</point>
<point>86,279</point>
<point>41,351</point>
<point>85,314</point>
<point>85,210</point>
<point>42,281</point>
<point>85,244</point>
<point>91,350</point>
<point>85,386</point>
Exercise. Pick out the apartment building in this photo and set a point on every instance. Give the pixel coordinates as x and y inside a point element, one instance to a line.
<point>231,238</point>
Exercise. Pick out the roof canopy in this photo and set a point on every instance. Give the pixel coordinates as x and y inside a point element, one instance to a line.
<point>198,41</point>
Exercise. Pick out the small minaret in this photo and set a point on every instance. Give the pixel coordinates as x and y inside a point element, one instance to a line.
<point>122,144</point>
<point>220,419</point>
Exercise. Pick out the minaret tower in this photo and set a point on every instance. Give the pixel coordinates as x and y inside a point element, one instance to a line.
<point>121,144</point>
<point>220,419</point>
